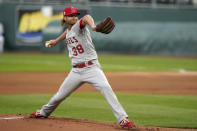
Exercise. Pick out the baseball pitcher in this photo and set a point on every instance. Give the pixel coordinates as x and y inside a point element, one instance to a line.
<point>85,64</point>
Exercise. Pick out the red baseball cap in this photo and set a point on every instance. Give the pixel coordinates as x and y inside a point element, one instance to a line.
<point>70,10</point>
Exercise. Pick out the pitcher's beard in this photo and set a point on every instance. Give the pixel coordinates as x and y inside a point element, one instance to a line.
<point>71,24</point>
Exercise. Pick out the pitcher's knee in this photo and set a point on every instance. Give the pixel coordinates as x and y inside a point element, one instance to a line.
<point>105,87</point>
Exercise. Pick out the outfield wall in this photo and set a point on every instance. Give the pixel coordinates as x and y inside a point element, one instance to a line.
<point>155,31</point>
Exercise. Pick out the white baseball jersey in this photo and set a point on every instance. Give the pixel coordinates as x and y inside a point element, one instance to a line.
<point>79,44</point>
<point>81,49</point>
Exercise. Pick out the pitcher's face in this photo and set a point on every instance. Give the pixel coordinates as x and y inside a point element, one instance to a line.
<point>71,19</point>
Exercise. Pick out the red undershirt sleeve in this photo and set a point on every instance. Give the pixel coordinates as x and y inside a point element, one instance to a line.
<point>81,24</point>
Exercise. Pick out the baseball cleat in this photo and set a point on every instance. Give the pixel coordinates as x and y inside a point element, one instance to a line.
<point>36,114</point>
<point>127,124</point>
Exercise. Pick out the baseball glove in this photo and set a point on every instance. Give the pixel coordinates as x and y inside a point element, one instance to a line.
<point>106,26</point>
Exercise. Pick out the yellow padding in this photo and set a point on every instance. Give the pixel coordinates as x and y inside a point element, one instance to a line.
<point>32,22</point>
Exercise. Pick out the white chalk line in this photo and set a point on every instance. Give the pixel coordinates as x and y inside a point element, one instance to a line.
<point>11,117</point>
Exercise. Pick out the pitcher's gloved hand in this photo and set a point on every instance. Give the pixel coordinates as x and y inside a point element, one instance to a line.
<point>106,26</point>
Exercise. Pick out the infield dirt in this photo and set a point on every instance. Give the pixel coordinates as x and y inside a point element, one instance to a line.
<point>130,82</point>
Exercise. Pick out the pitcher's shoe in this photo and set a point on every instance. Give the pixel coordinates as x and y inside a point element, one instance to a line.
<point>37,114</point>
<point>127,124</point>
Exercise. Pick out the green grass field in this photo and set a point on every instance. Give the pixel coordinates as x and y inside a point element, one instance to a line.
<point>21,62</point>
<point>152,110</point>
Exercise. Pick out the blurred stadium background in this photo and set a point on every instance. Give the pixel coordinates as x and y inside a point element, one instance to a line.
<point>148,27</point>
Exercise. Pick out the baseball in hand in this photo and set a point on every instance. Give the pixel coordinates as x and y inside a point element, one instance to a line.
<point>47,44</point>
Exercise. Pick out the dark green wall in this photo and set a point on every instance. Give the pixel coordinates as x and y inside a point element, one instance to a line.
<point>7,17</point>
<point>145,14</point>
<point>148,31</point>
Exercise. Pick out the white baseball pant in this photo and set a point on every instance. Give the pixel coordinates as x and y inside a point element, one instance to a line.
<point>77,76</point>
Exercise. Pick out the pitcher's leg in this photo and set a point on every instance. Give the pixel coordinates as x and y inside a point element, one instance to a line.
<point>71,83</point>
<point>111,98</point>
<point>97,78</point>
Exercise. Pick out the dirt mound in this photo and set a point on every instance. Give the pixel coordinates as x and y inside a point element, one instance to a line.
<point>22,123</point>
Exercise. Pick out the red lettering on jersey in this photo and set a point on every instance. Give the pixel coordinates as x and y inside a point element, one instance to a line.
<point>75,39</point>
<point>71,40</point>
<point>77,50</point>
<point>74,51</point>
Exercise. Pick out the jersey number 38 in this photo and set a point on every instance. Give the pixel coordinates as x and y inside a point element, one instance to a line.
<point>77,50</point>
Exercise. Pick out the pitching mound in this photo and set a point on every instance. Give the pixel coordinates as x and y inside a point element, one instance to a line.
<point>22,123</point>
